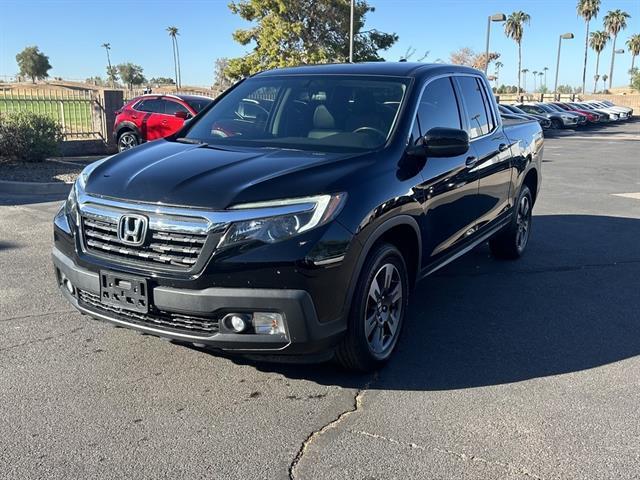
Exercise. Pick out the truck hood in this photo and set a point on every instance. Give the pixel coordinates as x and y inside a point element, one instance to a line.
<point>174,173</point>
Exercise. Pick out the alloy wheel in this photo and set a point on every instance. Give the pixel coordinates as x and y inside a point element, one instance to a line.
<point>383,312</point>
<point>127,141</point>
<point>523,222</point>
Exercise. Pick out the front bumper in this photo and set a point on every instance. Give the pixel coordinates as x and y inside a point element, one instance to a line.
<point>304,334</point>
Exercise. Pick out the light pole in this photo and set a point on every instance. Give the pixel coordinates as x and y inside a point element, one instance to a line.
<point>620,50</point>
<point>565,36</point>
<point>351,33</point>
<point>496,17</point>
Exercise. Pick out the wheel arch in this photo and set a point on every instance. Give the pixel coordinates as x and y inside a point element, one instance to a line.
<point>126,127</point>
<point>401,231</point>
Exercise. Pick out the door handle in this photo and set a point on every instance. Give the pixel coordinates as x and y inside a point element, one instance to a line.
<point>471,161</point>
<point>502,147</point>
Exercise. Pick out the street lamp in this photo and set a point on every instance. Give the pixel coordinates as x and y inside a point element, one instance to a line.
<point>565,36</point>
<point>496,17</point>
<point>620,50</point>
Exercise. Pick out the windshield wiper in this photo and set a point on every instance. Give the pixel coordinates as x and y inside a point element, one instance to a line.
<point>190,140</point>
<point>200,143</point>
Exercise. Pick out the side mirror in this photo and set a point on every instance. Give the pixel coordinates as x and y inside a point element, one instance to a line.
<point>182,114</point>
<point>442,142</point>
<point>446,142</point>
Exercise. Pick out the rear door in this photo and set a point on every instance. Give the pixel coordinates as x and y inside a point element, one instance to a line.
<point>171,123</point>
<point>493,162</point>
<point>449,189</point>
<point>153,109</point>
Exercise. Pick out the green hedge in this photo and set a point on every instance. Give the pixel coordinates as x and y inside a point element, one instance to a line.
<point>28,136</point>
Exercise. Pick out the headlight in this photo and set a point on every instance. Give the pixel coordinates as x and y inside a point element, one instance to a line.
<point>71,205</point>
<point>270,226</point>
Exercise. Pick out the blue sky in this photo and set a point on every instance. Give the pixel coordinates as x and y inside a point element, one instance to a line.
<point>71,32</point>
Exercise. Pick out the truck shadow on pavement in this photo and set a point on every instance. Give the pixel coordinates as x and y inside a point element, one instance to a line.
<point>571,303</point>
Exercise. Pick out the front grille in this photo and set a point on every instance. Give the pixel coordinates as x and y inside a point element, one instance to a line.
<point>170,322</point>
<point>169,249</point>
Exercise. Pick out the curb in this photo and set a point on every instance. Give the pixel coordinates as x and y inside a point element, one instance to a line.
<point>34,188</point>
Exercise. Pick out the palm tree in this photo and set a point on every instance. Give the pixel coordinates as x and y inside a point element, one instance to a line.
<point>634,47</point>
<point>598,40</point>
<point>540,74</point>
<point>614,21</point>
<point>107,47</point>
<point>524,83</point>
<point>545,75</point>
<point>604,79</point>
<point>173,33</point>
<point>498,66</point>
<point>514,29</point>
<point>587,9</point>
<point>535,75</point>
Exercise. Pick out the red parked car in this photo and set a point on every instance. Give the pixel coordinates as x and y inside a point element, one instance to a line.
<point>154,116</point>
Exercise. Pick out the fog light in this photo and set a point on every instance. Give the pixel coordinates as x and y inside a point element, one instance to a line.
<point>68,285</point>
<point>237,322</point>
<point>268,323</point>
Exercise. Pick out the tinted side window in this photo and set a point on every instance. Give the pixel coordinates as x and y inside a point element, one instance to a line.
<point>487,105</point>
<point>438,106</point>
<point>476,111</point>
<point>153,105</point>
<point>172,107</point>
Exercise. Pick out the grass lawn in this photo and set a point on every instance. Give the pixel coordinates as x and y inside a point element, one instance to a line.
<point>73,114</point>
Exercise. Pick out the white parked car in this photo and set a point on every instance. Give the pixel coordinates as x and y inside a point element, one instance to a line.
<point>624,112</point>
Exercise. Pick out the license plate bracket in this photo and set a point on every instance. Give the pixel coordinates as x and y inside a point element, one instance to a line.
<point>124,291</point>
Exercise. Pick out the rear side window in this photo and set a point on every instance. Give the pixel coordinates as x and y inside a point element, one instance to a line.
<point>172,107</point>
<point>472,94</point>
<point>152,105</point>
<point>438,106</point>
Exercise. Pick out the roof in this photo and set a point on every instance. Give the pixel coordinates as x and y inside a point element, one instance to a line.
<point>193,97</point>
<point>396,69</point>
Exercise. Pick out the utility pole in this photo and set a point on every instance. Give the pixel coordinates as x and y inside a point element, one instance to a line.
<point>351,33</point>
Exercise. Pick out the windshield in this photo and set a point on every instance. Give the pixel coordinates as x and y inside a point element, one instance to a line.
<point>546,108</point>
<point>311,112</point>
<point>515,109</point>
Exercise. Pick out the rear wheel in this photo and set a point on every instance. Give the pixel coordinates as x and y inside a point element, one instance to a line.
<point>127,140</point>
<point>511,243</point>
<point>377,313</point>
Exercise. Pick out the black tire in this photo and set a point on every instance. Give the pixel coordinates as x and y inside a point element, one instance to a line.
<point>358,350</point>
<point>511,242</point>
<point>557,124</point>
<point>127,140</point>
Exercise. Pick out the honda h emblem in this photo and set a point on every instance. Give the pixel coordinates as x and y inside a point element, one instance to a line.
<point>132,229</point>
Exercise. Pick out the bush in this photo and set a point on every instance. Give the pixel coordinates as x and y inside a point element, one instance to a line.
<point>28,136</point>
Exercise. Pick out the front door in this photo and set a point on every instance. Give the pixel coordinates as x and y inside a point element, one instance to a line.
<point>450,186</point>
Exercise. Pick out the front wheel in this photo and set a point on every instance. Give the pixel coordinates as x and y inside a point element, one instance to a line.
<point>557,124</point>
<point>511,243</point>
<point>377,313</point>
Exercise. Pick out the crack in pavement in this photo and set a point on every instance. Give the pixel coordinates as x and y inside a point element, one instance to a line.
<point>41,340</point>
<point>461,456</point>
<point>357,405</point>
<point>41,314</point>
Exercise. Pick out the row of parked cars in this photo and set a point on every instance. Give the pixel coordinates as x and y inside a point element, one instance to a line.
<point>559,115</point>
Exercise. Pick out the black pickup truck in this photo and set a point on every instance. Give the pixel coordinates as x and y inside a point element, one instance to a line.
<point>295,214</point>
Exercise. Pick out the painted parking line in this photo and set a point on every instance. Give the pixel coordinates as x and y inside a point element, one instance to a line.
<point>635,196</point>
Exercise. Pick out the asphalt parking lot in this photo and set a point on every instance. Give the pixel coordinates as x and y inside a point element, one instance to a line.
<point>528,369</point>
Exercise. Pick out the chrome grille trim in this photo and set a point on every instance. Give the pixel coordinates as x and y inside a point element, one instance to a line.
<point>180,219</point>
